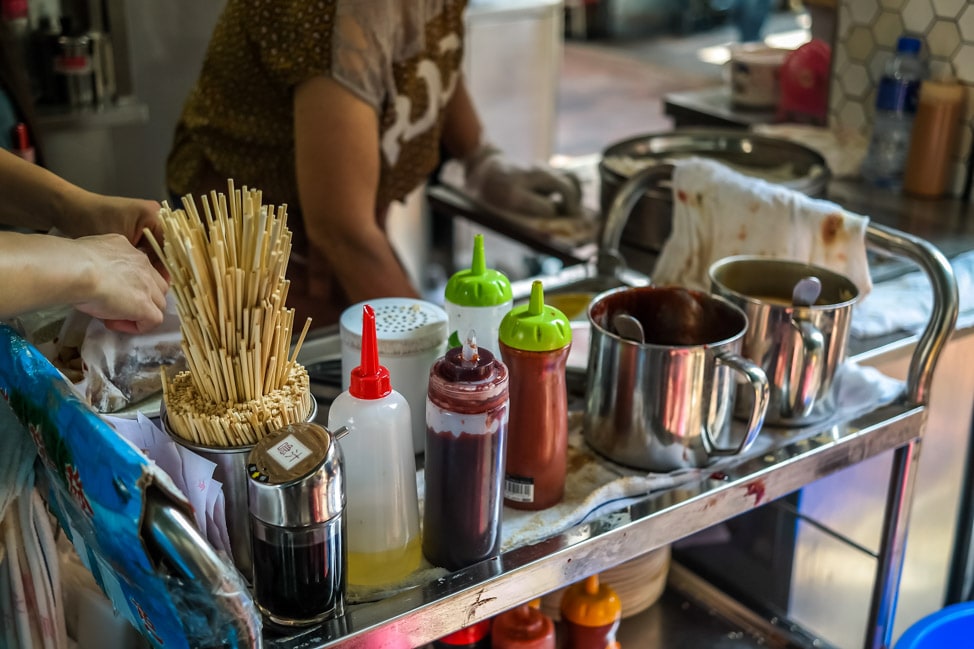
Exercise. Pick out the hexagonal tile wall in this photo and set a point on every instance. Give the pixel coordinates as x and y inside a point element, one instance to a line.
<point>866,34</point>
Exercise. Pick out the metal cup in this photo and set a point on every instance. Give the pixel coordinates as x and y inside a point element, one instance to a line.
<point>799,347</point>
<point>231,472</point>
<point>666,403</point>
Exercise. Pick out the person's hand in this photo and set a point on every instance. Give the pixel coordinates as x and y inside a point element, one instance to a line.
<point>125,290</point>
<point>99,214</point>
<point>535,191</point>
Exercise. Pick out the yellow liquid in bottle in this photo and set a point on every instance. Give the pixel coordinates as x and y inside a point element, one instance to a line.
<point>388,567</point>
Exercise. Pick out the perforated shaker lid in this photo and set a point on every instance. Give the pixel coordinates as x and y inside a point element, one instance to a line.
<point>403,326</point>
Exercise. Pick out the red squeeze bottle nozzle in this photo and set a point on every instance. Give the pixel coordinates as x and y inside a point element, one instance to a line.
<point>369,380</point>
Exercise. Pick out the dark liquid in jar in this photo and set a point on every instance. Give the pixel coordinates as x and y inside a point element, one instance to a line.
<point>299,574</point>
<point>462,511</point>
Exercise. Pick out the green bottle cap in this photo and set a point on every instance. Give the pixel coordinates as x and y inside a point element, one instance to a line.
<point>478,285</point>
<point>535,326</point>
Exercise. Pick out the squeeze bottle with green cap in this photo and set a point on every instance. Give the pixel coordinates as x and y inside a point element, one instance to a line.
<point>382,508</point>
<point>477,298</point>
<point>534,341</point>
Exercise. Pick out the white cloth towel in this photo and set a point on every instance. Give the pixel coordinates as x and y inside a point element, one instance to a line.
<point>718,213</point>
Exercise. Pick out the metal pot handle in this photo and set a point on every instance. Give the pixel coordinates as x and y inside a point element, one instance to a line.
<point>809,356</point>
<point>609,262</point>
<point>758,382</point>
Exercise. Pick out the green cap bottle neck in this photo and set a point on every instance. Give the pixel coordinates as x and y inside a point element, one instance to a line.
<point>535,326</point>
<point>478,285</point>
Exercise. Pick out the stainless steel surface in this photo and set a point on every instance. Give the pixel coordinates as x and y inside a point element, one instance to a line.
<point>667,404</point>
<point>488,588</point>
<point>420,615</point>
<point>170,533</point>
<point>799,348</point>
<point>231,472</point>
<point>304,491</point>
<point>832,580</point>
<point>649,225</point>
<point>889,564</point>
<point>945,301</point>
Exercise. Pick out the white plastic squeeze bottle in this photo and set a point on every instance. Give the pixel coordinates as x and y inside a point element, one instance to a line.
<point>382,510</point>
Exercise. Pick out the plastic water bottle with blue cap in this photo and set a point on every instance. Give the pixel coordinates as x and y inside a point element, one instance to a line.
<point>896,106</point>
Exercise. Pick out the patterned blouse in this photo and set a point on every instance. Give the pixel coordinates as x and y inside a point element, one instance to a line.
<point>402,57</point>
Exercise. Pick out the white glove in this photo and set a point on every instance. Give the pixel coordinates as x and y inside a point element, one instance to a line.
<point>538,191</point>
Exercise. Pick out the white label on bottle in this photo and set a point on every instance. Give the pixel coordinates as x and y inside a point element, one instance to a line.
<point>518,489</point>
<point>289,451</point>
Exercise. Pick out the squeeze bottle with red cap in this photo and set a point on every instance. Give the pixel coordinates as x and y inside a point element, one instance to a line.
<point>590,615</point>
<point>466,433</point>
<point>534,342</point>
<point>382,508</point>
<point>523,627</point>
<point>22,144</point>
<point>477,298</point>
<point>475,636</point>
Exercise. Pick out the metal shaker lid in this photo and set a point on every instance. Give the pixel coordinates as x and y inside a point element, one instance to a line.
<point>296,476</point>
<point>403,326</point>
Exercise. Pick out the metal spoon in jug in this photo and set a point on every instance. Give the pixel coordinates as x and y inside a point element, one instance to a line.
<point>628,327</point>
<point>806,291</point>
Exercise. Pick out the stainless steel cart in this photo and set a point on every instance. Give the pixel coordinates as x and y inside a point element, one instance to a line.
<point>422,614</point>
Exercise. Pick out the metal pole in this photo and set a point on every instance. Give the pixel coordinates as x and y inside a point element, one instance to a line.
<point>889,563</point>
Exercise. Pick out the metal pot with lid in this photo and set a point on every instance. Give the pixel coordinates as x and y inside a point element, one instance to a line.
<point>648,226</point>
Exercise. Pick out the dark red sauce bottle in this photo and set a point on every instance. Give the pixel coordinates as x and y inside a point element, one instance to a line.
<point>466,433</point>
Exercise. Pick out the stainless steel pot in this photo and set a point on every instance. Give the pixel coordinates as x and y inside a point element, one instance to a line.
<point>648,226</point>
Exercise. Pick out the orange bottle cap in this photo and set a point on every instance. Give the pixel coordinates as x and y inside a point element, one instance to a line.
<point>589,603</point>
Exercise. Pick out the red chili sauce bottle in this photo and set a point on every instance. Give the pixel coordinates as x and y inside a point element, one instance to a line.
<point>535,340</point>
<point>466,433</point>
<point>475,636</point>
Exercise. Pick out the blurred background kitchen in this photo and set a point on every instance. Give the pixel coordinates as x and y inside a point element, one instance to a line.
<point>559,81</point>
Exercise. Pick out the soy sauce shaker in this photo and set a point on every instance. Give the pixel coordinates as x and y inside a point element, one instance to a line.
<point>296,493</point>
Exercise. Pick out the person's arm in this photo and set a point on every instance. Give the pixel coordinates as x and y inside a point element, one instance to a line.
<point>39,199</point>
<point>103,276</point>
<point>489,177</point>
<point>337,157</point>
<point>462,129</point>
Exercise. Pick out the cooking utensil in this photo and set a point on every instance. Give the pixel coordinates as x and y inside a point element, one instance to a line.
<point>806,291</point>
<point>628,327</point>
